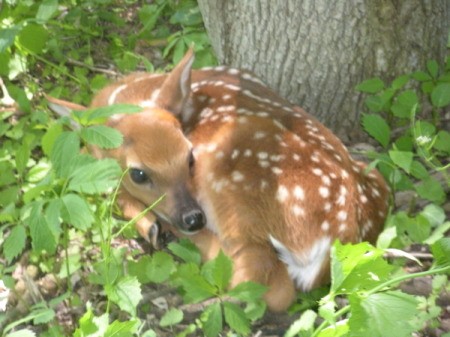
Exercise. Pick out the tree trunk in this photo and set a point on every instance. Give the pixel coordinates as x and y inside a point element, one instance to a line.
<point>315,52</point>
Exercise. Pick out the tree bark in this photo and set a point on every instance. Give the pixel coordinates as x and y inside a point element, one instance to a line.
<point>314,52</point>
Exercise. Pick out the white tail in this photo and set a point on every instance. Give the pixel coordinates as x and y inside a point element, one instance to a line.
<point>276,186</point>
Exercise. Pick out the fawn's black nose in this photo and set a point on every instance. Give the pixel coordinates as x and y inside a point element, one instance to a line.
<point>194,220</point>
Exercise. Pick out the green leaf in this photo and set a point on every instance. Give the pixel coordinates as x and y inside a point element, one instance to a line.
<point>46,10</point>
<point>43,315</point>
<point>374,315</point>
<point>98,115</point>
<point>66,146</point>
<point>97,177</point>
<point>22,333</point>
<point>139,269</point>
<point>195,287</point>
<point>171,317</point>
<point>386,237</point>
<point>42,237</point>
<point>23,153</point>
<point>7,36</point>
<point>402,159</point>
<point>441,252</point>
<point>418,170</point>
<point>432,190</point>
<point>433,68</point>
<point>160,267</point>
<point>442,142</point>
<point>49,138</point>
<point>357,267</point>
<point>400,82</point>
<point>186,250</point>
<point>377,128</point>
<point>14,243</point>
<point>122,329</point>
<point>440,96</point>
<point>405,104</point>
<point>304,323</point>
<point>435,214</point>
<point>126,294</point>
<point>218,271</point>
<point>235,317</point>
<point>102,136</point>
<point>421,76</point>
<point>34,38</point>
<point>76,212</point>
<point>212,320</point>
<point>371,86</point>
<point>247,291</point>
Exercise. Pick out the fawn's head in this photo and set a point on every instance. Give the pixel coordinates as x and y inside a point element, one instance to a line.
<point>156,154</point>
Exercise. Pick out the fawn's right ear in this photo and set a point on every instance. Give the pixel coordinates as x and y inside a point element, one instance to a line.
<point>61,107</point>
<point>177,86</point>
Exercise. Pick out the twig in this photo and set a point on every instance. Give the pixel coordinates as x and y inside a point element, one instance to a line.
<point>94,69</point>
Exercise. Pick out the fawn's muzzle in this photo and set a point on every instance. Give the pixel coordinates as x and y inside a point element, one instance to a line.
<point>194,220</point>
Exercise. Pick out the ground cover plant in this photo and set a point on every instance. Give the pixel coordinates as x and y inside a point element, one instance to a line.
<point>72,266</point>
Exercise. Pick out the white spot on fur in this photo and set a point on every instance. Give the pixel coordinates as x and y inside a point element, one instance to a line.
<point>342,215</point>
<point>237,176</point>
<point>303,267</point>
<point>324,192</point>
<point>297,210</point>
<point>299,193</point>
<point>325,226</point>
<point>282,193</point>
<point>113,96</point>
<point>277,170</point>
<point>247,153</point>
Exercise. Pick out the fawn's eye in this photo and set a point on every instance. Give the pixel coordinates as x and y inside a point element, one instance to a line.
<point>139,176</point>
<point>191,162</point>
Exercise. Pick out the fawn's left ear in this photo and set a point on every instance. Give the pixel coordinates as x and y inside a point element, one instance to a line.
<point>177,86</point>
<point>64,108</point>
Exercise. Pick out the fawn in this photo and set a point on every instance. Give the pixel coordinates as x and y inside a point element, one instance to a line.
<point>244,171</point>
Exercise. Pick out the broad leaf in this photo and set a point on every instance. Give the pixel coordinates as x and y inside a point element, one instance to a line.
<point>432,190</point>
<point>102,136</point>
<point>34,38</point>
<point>377,128</point>
<point>441,252</point>
<point>235,318</point>
<point>7,36</point>
<point>402,159</point>
<point>186,250</point>
<point>171,317</point>
<point>218,271</point>
<point>46,10</point>
<point>371,86</point>
<point>405,104</point>
<point>42,237</point>
<point>378,313</point>
<point>440,96</point>
<point>122,329</point>
<point>14,243</point>
<point>66,146</point>
<point>305,323</point>
<point>126,294</point>
<point>247,291</point>
<point>212,320</point>
<point>97,177</point>
<point>160,268</point>
<point>357,267</point>
<point>76,212</point>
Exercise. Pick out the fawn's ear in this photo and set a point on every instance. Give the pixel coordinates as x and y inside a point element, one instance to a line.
<point>177,86</point>
<point>64,108</point>
<point>61,107</point>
